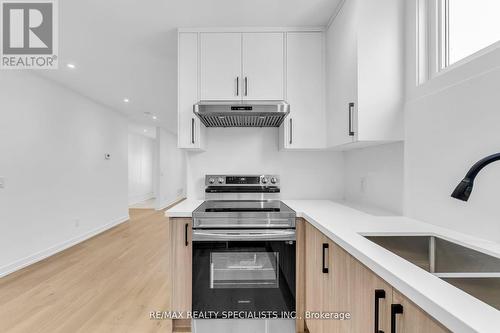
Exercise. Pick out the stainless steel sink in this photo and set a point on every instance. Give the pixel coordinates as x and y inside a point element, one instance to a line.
<point>474,272</point>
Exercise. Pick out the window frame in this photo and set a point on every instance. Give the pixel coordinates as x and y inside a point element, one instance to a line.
<point>438,36</point>
<point>444,33</point>
<point>433,41</point>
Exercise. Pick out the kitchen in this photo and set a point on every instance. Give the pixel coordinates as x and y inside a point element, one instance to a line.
<point>321,166</point>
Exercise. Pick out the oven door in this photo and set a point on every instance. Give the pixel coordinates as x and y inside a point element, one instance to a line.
<point>244,270</point>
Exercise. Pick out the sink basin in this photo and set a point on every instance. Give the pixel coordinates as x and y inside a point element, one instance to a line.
<point>474,272</point>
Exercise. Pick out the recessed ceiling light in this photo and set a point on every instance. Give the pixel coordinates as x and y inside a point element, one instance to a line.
<point>145,131</point>
<point>126,100</point>
<point>72,66</point>
<point>155,117</point>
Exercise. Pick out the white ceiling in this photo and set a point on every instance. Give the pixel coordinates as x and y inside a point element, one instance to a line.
<point>127,48</point>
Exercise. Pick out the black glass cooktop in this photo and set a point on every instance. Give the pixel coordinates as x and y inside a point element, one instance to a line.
<point>243,206</point>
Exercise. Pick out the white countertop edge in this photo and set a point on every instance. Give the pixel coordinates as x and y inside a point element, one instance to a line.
<point>184,208</point>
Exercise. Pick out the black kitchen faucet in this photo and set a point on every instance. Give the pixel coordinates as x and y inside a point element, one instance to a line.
<point>464,189</point>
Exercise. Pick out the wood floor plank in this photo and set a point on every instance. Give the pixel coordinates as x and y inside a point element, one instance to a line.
<point>109,283</point>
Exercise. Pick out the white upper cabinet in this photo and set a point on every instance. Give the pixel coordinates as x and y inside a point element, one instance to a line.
<point>220,66</point>
<point>305,72</point>
<point>342,76</point>
<point>246,66</point>
<point>365,50</point>
<point>345,84</point>
<point>263,66</point>
<point>190,130</point>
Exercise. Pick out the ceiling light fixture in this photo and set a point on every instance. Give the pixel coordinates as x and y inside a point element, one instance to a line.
<point>145,131</point>
<point>72,66</point>
<point>126,100</point>
<point>155,117</point>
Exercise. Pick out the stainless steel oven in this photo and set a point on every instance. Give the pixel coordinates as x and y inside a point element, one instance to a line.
<point>243,250</point>
<point>244,270</point>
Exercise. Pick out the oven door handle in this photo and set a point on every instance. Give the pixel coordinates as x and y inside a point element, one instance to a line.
<point>232,235</point>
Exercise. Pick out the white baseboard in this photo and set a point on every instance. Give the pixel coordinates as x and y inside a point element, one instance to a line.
<point>19,264</point>
<point>162,206</point>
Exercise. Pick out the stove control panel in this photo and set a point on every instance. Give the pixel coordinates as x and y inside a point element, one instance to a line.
<point>242,180</point>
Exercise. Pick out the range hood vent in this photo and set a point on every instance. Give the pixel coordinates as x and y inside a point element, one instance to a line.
<point>241,113</point>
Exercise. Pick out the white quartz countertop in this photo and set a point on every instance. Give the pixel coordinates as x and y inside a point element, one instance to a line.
<point>184,208</point>
<point>346,226</point>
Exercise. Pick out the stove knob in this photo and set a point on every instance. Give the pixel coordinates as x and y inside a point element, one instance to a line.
<point>220,180</point>
<point>274,180</point>
<point>264,180</point>
<point>211,180</point>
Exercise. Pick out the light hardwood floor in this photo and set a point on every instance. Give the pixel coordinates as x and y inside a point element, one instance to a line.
<point>109,283</point>
<point>148,204</point>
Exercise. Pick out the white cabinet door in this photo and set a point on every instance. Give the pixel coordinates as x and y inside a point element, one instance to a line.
<point>365,68</point>
<point>220,66</point>
<point>263,66</point>
<point>189,126</point>
<point>305,126</point>
<point>342,76</point>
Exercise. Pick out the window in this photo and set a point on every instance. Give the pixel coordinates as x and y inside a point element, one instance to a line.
<point>244,270</point>
<point>467,26</point>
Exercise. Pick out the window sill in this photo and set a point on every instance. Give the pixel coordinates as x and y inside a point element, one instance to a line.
<point>477,64</point>
<point>471,58</point>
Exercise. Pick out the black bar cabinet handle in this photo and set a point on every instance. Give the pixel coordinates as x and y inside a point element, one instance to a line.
<point>379,294</point>
<point>351,109</point>
<point>246,86</point>
<point>192,130</point>
<point>291,131</point>
<point>325,248</point>
<point>237,86</point>
<point>395,310</point>
<point>186,234</point>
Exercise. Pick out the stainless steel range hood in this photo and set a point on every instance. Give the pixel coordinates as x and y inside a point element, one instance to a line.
<point>241,113</point>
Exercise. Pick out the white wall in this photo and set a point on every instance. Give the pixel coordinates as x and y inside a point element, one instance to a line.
<point>59,188</point>
<point>374,176</point>
<point>171,169</point>
<point>304,175</point>
<point>451,122</point>
<point>447,132</point>
<point>140,168</point>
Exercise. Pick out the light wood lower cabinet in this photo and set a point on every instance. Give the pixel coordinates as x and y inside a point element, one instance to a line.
<point>315,297</point>
<point>181,263</point>
<point>413,319</point>
<point>340,283</point>
<point>339,288</point>
<point>372,298</point>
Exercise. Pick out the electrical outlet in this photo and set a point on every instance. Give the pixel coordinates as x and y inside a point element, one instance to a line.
<point>2,182</point>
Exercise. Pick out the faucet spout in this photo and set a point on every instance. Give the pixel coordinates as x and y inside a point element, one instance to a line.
<point>464,189</point>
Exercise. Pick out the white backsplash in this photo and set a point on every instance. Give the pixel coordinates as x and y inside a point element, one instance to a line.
<point>304,175</point>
